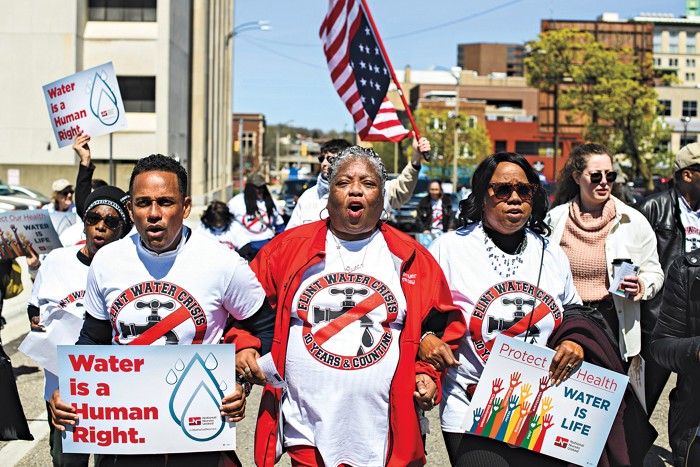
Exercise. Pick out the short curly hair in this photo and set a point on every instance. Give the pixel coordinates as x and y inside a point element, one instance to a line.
<point>161,163</point>
<point>357,152</point>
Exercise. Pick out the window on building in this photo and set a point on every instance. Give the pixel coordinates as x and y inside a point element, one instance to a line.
<point>690,62</point>
<point>664,108</point>
<point>657,62</point>
<point>690,76</point>
<point>499,146</point>
<point>690,109</point>
<point>673,42</point>
<point>688,139</point>
<point>657,41</point>
<point>690,44</point>
<point>122,10</point>
<point>527,148</point>
<point>672,62</point>
<point>138,93</point>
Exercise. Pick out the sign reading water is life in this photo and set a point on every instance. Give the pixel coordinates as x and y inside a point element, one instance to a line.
<point>87,101</point>
<point>147,399</point>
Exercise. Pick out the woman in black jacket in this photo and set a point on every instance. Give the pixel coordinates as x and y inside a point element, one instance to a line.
<point>675,344</point>
<point>435,214</point>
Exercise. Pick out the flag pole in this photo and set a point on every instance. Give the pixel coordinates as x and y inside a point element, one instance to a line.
<point>426,155</point>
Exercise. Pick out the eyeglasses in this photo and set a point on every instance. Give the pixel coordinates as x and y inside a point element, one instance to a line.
<point>524,190</point>
<point>597,177</point>
<point>92,218</point>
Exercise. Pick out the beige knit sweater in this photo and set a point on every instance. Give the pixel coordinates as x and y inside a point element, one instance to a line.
<point>583,241</point>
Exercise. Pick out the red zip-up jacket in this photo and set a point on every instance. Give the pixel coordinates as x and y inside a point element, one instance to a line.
<point>280,266</point>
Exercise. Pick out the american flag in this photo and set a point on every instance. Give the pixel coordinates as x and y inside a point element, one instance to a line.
<point>359,71</point>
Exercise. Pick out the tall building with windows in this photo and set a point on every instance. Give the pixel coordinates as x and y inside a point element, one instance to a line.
<point>173,64</point>
<point>488,58</point>
<point>677,53</point>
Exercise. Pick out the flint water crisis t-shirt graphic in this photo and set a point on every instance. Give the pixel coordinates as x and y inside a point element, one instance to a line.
<point>513,308</point>
<point>156,303</point>
<point>344,345</point>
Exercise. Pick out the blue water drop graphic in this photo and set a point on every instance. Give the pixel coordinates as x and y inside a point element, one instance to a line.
<point>171,377</point>
<point>179,365</point>
<point>211,363</point>
<point>103,102</point>
<point>203,405</point>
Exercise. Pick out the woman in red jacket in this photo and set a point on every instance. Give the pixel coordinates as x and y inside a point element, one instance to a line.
<point>353,298</point>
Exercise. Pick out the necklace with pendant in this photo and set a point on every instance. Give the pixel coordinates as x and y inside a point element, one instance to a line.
<point>340,255</point>
<point>504,264</point>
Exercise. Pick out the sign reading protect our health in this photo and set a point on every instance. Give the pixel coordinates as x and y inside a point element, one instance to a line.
<point>516,403</point>
<point>27,233</point>
<point>147,399</point>
<point>87,101</point>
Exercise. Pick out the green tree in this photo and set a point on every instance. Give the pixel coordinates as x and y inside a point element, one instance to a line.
<point>607,90</point>
<point>441,127</point>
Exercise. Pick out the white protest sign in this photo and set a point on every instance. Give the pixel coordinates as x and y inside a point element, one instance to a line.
<point>87,101</point>
<point>147,399</point>
<point>23,232</point>
<point>515,402</point>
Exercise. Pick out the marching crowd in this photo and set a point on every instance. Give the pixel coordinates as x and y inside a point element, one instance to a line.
<point>368,328</point>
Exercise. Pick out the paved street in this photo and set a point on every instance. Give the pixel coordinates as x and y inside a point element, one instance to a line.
<point>36,453</point>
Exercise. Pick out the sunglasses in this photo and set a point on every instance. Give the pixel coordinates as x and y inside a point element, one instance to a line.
<point>503,191</point>
<point>65,193</point>
<point>92,218</point>
<point>597,177</point>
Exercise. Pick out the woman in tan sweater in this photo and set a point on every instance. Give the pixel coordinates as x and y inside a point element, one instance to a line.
<point>594,228</point>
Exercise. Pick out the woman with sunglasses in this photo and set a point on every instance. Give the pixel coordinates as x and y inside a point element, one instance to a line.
<point>59,287</point>
<point>595,229</point>
<point>500,268</point>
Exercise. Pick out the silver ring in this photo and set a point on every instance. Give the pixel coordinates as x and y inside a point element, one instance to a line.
<point>569,366</point>
<point>246,370</point>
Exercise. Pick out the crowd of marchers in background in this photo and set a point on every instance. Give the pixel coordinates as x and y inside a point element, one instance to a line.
<point>263,284</point>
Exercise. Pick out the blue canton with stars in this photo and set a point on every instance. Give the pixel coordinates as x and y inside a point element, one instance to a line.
<point>371,73</point>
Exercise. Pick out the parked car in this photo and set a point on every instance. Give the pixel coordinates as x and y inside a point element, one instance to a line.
<point>13,196</point>
<point>29,193</point>
<point>290,192</point>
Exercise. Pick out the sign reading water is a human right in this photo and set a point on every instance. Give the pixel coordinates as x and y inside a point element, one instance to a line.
<point>515,402</point>
<point>87,101</point>
<point>147,399</point>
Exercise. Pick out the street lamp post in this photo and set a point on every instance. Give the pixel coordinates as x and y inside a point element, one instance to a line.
<point>261,25</point>
<point>685,120</point>
<point>456,73</point>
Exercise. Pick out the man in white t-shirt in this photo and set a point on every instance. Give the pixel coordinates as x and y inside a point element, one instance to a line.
<point>163,285</point>
<point>311,204</point>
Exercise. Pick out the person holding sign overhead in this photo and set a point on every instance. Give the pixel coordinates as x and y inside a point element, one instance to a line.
<point>520,289</point>
<point>141,290</point>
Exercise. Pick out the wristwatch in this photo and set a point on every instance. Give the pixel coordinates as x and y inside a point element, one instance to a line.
<point>245,384</point>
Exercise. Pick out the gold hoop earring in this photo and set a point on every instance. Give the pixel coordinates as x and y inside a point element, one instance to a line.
<point>320,214</point>
<point>386,215</point>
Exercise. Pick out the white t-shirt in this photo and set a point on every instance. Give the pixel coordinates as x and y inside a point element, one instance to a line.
<point>339,368</point>
<point>253,228</point>
<point>59,285</point>
<point>133,287</point>
<point>73,235</point>
<point>495,296</point>
<point>691,223</point>
<point>436,224</point>
<point>231,237</point>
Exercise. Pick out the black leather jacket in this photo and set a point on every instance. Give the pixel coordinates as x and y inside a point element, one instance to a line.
<point>662,212</point>
<point>425,214</point>
<point>675,344</point>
